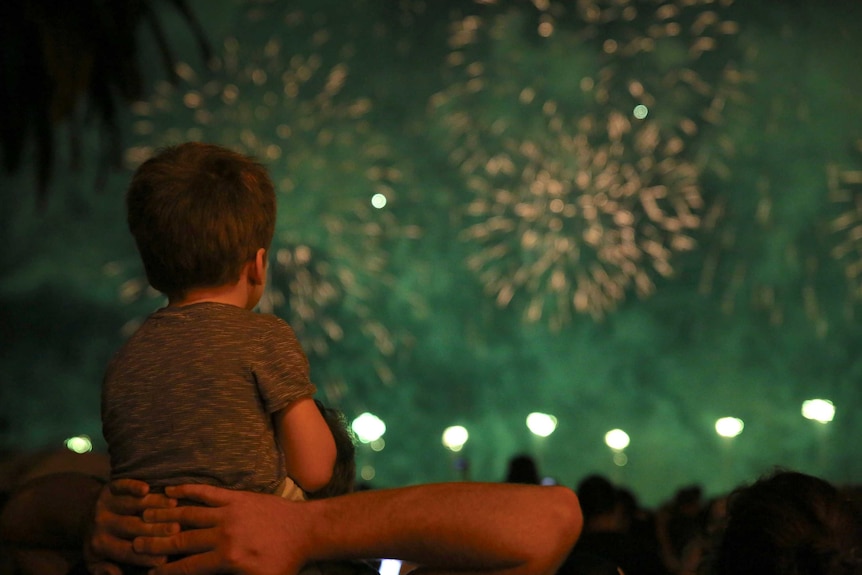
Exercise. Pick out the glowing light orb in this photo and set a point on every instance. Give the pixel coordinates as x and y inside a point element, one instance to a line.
<point>79,444</point>
<point>378,201</point>
<point>729,426</point>
<point>541,424</point>
<point>455,437</point>
<point>617,439</point>
<point>820,410</point>
<point>368,427</point>
<point>640,112</point>
<point>367,472</point>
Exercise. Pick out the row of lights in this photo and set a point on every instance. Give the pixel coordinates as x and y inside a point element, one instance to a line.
<point>819,410</point>
<point>370,429</point>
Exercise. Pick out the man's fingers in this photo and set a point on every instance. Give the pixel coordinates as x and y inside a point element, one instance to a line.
<point>189,516</point>
<point>131,497</point>
<point>133,505</point>
<point>158,500</point>
<point>185,542</point>
<point>124,505</point>
<point>129,487</point>
<point>129,527</point>
<point>159,530</point>
<point>206,494</point>
<point>202,564</point>
<point>104,569</point>
<point>122,551</point>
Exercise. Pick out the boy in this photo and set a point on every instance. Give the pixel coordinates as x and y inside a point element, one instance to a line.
<point>206,390</point>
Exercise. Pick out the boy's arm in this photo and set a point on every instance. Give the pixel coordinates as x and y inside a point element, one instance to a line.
<point>490,528</point>
<point>307,444</point>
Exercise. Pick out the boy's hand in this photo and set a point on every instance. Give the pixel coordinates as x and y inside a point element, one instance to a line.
<point>117,521</point>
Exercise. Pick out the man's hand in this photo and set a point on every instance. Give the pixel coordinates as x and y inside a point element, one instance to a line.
<point>237,532</point>
<point>117,521</point>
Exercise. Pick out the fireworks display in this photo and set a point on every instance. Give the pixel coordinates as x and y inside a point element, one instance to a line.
<point>632,214</point>
<point>583,183</point>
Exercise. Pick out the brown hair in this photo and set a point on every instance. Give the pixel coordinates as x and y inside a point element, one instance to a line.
<point>789,523</point>
<point>344,471</point>
<point>198,212</point>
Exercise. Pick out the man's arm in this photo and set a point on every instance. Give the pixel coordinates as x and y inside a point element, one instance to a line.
<point>465,527</point>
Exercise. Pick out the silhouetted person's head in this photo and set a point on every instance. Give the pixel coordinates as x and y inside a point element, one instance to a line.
<point>597,495</point>
<point>523,469</point>
<point>790,524</point>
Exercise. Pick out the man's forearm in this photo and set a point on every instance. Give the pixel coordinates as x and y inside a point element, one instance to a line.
<point>450,526</point>
<point>493,528</point>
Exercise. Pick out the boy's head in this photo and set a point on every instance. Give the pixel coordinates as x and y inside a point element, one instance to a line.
<point>198,213</point>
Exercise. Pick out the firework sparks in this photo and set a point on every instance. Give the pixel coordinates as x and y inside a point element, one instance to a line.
<point>845,188</point>
<point>583,213</point>
<point>577,160</point>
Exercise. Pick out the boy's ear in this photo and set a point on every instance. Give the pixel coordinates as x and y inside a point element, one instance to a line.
<point>257,269</point>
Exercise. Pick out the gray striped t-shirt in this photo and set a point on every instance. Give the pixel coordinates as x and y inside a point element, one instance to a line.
<point>189,398</point>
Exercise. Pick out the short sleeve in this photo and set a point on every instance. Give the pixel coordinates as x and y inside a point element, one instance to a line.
<point>280,367</point>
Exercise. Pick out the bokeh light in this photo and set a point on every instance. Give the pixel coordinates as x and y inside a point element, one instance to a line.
<point>79,444</point>
<point>455,437</point>
<point>368,427</point>
<point>729,426</point>
<point>617,439</point>
<point>541,424</point>
<point>820,410</point>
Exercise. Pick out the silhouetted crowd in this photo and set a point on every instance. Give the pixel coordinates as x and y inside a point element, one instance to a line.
<point>785,523</point>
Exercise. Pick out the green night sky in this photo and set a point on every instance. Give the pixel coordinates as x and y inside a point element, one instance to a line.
<point>629,214</point>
